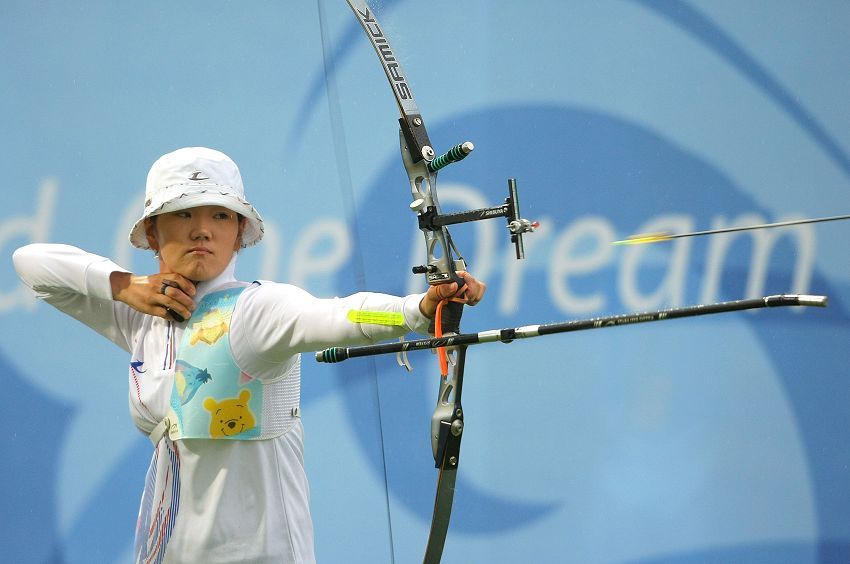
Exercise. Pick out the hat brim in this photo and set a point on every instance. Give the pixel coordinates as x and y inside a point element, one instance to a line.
<point>177,198</point>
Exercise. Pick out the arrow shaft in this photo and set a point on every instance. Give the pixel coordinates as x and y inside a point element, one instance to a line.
<point>759,226</point>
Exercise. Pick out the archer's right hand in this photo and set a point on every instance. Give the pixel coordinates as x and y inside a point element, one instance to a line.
<point>167,295</point>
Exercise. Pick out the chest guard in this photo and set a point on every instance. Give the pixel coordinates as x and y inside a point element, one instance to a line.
<point>211,397</point>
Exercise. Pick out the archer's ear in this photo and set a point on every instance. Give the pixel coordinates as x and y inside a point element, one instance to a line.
<point>243,223</point>
<point>150,234</point>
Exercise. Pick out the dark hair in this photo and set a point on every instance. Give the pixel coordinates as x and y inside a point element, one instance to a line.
<point>239,217</point>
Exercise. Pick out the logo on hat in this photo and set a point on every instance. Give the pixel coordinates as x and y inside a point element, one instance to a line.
<point>198,175</point>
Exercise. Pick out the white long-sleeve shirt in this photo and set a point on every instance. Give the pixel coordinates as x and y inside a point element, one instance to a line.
<point>230,500</point>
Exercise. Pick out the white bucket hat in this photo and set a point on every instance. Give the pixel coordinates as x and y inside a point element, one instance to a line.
<point>192,177</point>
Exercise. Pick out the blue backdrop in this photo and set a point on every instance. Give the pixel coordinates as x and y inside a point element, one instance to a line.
<point>711,439</point>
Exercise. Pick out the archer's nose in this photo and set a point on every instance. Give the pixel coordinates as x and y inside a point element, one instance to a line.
<point>200,230</point>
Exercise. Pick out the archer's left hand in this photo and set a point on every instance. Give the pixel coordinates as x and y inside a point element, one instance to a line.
<point>470,294</point>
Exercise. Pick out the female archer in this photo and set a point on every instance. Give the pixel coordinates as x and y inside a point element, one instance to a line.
<point>215,363</point>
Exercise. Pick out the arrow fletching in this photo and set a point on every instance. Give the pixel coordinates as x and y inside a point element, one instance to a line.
<point>643,238</point>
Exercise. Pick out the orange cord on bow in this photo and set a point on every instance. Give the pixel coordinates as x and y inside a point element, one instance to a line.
<point>442,355</point>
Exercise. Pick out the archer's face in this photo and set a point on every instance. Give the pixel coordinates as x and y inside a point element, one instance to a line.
<point>197,243</point>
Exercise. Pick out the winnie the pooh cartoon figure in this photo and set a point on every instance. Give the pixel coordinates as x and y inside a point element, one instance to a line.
<point>230,416</point>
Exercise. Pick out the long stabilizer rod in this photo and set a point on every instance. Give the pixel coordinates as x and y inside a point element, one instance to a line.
<point>338,354</point>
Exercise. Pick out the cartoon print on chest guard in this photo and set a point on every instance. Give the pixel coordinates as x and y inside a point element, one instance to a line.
<point>231,416</point>
<point>188,380</point>
<point>212,327</point>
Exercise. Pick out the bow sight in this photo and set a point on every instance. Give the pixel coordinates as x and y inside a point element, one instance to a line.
<point>430,220</point>
<point>422,174</point>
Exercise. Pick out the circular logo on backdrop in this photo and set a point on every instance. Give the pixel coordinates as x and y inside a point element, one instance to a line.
<point>560,446</point>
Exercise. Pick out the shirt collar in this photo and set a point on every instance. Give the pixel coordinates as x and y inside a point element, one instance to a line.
<point>227,275</point>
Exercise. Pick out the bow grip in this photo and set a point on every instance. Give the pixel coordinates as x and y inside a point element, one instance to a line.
<point>452,312</point>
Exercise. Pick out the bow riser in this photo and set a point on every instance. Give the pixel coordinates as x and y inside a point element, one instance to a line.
<point>442,267</point>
